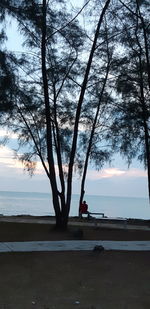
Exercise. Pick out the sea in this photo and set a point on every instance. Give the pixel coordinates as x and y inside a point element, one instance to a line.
<point>40,204</point>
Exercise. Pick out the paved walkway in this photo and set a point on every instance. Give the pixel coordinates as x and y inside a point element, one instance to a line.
<point>73,245</point>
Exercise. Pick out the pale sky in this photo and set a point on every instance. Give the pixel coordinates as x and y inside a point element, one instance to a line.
<point>116,180</point>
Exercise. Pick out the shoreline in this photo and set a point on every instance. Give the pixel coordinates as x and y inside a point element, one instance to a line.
<point>109,222</point>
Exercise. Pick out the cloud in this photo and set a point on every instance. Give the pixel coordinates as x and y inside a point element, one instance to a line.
<point>115,172</point>
<point>7,161</point>
<point>5,133</point>
<point>111,172</point>
<point>135,172</point>
<point>108,181</point>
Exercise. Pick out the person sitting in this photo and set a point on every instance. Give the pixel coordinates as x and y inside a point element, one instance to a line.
<point>84,209</point>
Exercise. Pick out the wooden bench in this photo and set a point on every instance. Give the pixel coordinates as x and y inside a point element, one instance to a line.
<point>97,214</point>
<point>106,219</point>
<point>89,214</point>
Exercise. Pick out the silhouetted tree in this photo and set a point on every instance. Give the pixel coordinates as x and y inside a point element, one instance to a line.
<point>52,80</point>
<point>130,130</point>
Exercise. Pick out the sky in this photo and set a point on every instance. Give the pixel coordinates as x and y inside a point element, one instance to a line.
<point>114,180</point>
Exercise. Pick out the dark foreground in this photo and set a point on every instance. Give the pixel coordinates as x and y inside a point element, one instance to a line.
<point>67,280</point>
<point>87,280</point>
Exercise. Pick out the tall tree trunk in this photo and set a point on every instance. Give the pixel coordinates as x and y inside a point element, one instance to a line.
<point>144,109</point>
<point>146,131</point>
<point>78,111</point>
<point>59,159</point>
<point>91,136</point>
<point>50,157</point>
<point>145,42</point>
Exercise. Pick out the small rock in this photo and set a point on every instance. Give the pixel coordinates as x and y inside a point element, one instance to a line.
<point>98,248</point>
<point>77,302</point>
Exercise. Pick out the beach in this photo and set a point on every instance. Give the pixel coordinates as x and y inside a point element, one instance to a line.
<point>66,280</point>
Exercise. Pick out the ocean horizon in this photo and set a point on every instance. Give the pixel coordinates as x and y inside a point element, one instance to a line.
<point>40,204</point>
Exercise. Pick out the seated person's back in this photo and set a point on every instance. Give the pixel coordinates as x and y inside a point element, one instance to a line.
<point>83,207</point>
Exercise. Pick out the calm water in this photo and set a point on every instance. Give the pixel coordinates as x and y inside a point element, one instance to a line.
<point>18,203</point>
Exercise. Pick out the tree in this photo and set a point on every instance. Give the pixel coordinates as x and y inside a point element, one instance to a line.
<point>7,79</point>
<point>47,113</point>
<point>99,94</point>
<point>130,129</point>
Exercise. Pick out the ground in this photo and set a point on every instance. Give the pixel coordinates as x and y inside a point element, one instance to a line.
<point>67,280</point>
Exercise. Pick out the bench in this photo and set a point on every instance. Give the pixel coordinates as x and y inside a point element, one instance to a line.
<point>97,214</point>
<point>89,214</point>
<point>106,219</point>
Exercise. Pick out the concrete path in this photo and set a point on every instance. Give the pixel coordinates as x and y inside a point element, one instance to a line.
<point>73,245</point>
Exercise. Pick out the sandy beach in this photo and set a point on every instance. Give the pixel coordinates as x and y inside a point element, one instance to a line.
<point>66,280</point>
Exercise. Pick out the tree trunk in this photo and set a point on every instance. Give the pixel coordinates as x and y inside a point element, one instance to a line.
<point>92,135</point>
<point>78,112</point>
<point>145,42</point>
<point>144,110</point>
<point>145,125</point>
<point>50,158</point>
